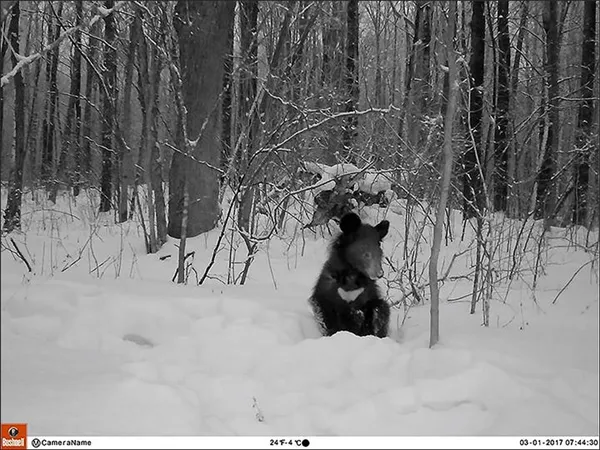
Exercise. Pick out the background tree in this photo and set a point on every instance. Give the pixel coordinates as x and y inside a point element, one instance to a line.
<point>434,333</point>
<point>249,122</point>
<point>501,140</point>
<point>91,95</point>
<point>304,83</point>
<point>125,156</point>
<point>109,103</point>
<point>546,188</point>
<point>3,48</point>
<point>349,130</point>
<point>12,213</point>
<point>332,70</point>
<point>585,144</point>
<point>202,28</point>
<point>473,157</point>
<point>418,80</point>
<point>71,142</point>
<point>51,121</point>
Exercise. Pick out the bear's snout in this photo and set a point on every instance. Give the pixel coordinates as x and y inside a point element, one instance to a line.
<point>378,274</point>
<point>375,272</point>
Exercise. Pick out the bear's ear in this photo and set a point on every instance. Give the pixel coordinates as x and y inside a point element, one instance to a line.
<point>382,228</point>
<point>350,223</point>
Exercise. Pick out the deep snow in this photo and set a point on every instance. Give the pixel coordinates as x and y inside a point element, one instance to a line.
<point>120,350</point>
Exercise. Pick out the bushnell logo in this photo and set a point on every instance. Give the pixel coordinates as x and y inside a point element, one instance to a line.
<point>14,435</point>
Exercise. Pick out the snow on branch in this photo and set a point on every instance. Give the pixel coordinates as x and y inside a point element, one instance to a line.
<point>367,180</point>
<point>25,60</point>
<point>5,8</point>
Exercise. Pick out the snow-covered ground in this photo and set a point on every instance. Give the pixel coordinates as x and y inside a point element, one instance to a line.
<point>99,341</point>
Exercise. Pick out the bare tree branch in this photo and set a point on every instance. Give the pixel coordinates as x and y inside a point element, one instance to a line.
<point>25,60</point>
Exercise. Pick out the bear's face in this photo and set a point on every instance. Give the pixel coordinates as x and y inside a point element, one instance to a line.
<point>362,244</point>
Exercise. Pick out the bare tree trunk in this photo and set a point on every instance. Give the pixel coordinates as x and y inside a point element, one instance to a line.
<point>472,176</point>
<point>32,133</point>
<point>202,28</point>
<point>50,119</point>
<point>3,48</point>
<point>331,72</point>
<point>146,57</point>
<point>585,146</point>
<point>125,157</point>
<point>136,31</point>
<point>546,192</point>
<point>410,70</point>
<point>350,131</point>
<point>378,75</point>
<point>109,103</point>
<point>76,142</point>
<point>248,119</point>
<point>515,207</point>
<point>228,103</point>
<point>419,95</point>
<point>184,227</point>
<point>156,157</point>
<point>12,213</point>
<point>396,71</point>
<point>375,11</point>
<point>446,176</point>
<point>477,278</point>
<point>71,136</point>
<point>502,113</point>
<point>249,122</point>
<point>299,61</point>
<point>84,157</point>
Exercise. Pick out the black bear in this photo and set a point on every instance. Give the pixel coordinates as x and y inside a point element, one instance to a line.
<point>346,296</point>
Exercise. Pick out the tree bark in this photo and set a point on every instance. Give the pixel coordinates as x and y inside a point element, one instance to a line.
<point>434,333</point>
<point>332,80</point>
<point>247,93</point>
<point>473,157</point>
<point>109,102</point>
<point>146,96</point>
<point>184,220</point>
<point>584,145</point>
<point>3,48</point>
<point>12,213</point>
<point>50,119</point>
<point>249,122</point>
<point>515,207</point>
<point>125,157</point>
<point>202,28</point>
<point>333,52</point>
<point>228,103</point>
<point>85,155</point>
<point>418,94</point>
<point>502,112</point>
<point>71,142</point>
<point>546,192</point>
<point>350,131</point>
<point>156,157</point>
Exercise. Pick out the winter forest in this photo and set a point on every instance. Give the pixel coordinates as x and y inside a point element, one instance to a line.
<point>173,174</point>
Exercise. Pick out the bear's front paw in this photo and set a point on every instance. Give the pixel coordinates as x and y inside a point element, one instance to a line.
<point>359,315</point>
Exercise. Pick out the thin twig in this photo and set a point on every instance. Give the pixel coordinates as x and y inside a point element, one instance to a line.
<point>21,254</point>
<point>569,282</point>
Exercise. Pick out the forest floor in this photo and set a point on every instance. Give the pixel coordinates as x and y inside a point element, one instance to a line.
<point>97,340</point>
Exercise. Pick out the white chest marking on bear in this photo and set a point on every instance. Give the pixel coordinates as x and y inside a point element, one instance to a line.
<point>350,296</point>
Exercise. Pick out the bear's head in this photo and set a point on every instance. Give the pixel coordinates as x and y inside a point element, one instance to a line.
<point>360,244</point>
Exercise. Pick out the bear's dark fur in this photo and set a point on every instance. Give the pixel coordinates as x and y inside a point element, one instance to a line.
<point>346,296</point>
